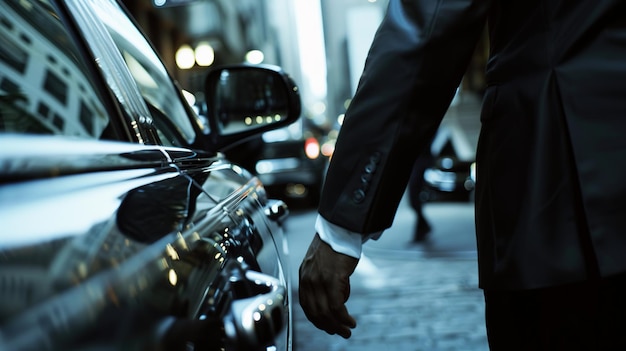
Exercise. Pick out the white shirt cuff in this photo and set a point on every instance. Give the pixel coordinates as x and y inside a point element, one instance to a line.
<point>342,240</point>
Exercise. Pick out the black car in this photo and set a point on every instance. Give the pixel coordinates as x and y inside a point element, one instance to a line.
<point>288,161</point>
<point>122,224</point>
<point>449,177</point>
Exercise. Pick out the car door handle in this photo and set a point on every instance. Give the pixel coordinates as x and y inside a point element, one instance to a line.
<point>256,316</point>
<point>277,210</point>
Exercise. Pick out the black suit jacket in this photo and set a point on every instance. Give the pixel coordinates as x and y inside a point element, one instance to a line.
<point>551,157</point>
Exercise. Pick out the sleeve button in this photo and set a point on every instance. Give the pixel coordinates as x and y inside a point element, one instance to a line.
<point>358,196</point>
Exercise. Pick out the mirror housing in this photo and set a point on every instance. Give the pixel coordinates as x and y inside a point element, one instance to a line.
<point>245,100</point>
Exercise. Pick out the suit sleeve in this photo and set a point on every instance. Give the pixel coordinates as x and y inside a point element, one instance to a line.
<point>417,59</point>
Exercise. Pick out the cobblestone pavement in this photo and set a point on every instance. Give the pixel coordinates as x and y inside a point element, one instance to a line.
<point>410,297</point>
<point>441,310</point>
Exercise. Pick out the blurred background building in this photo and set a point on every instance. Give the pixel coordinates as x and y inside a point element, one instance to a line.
<point>321,43</point>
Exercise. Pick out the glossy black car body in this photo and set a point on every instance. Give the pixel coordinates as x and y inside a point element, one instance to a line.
<point>122,225</point>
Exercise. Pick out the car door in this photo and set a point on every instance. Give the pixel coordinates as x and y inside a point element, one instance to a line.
<point>118,230</point>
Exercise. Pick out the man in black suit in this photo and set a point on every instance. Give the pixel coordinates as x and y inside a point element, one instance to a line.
<point>550,196</point>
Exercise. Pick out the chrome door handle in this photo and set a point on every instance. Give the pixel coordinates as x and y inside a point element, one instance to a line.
<point>255,317</point>
<point>277,210</point>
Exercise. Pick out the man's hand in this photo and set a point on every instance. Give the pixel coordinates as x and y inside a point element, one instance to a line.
<point>325,287</point>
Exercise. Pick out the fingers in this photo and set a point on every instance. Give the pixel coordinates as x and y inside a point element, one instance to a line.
<point>325,308</point>
<point>325,287</point>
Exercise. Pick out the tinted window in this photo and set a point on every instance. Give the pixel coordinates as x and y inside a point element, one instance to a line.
<point>44,87</point>
<point>164,100</point>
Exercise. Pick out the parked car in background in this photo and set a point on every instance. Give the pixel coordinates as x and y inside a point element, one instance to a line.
<point>449,178</point>
<point>122,224</point>
<point>288,161</point>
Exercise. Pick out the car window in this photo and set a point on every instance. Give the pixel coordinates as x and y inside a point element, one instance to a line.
<point>44,87</point>
<point>164,100</point>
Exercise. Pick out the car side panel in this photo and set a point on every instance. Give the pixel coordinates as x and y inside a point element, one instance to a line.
<point>156,245</point>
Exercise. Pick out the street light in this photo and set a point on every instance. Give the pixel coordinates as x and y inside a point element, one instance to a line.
<point>185,58</point>
<point>204,54</point>
<point>255,56</point>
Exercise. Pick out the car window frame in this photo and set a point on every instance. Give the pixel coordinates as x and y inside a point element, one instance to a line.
<point>112,68</point>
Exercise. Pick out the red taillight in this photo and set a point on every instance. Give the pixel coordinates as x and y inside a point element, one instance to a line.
<point>312,148</point>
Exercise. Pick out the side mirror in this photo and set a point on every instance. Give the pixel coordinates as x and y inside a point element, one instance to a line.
<point>246,100</point>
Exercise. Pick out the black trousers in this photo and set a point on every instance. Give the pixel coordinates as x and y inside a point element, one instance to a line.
<point>584,316</point>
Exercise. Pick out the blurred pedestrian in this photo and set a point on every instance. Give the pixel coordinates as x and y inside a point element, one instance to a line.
<point>418,195</point>
<point>550,196</point>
